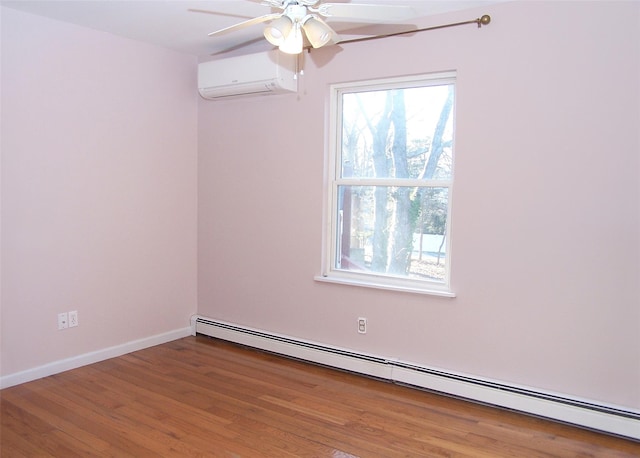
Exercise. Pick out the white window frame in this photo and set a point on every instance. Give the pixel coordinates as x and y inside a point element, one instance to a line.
<point>333,180</point>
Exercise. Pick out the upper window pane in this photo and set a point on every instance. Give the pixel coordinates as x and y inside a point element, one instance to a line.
<point>404,133</point>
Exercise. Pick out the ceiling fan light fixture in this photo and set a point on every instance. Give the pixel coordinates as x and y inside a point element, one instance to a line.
<point>293,42</point>
<point>278,31</point>
<point>317,31</point>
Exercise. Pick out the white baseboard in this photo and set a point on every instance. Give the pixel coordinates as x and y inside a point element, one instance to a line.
<point>611,419</point>
<point>89,358</point>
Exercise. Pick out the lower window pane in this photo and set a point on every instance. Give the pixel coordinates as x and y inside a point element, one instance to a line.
<point>392,231</point>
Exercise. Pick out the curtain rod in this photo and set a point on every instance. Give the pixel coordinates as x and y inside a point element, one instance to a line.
<point>483,20</point>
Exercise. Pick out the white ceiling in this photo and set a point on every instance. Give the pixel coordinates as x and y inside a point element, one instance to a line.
<point>170,24</point>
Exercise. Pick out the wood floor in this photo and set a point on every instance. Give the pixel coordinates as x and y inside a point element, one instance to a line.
<point>204,397</point>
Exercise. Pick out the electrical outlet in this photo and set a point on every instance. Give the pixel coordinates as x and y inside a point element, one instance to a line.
<point>63,320</point>
<point>73,318</point>
<point>362,325</point>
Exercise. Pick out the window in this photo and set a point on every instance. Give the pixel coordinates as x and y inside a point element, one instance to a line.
<point>389,187</point>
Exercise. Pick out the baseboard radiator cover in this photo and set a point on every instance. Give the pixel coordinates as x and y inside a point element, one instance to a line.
<point>584,413</point>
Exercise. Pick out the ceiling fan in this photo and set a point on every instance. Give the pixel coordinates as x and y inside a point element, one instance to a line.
<point>306,18</point>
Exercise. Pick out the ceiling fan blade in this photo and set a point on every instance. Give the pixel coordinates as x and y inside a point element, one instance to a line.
<point>216,13</point>
<point>250,22</point>
<point>271,3</point>
<point>365,12</point>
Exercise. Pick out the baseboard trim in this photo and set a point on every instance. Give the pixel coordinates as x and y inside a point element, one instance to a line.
<point>589,414</point>
<point>89,358</point>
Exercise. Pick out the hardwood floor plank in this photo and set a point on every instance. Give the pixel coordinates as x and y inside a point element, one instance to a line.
<point>157,395</point>
<point>41,410</point>
<point>19,427</point>
<point>101,431</point>
<point>158,430</point>
<point>201,397</point>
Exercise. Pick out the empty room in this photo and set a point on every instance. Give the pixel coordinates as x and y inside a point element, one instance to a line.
<point>304,228</point>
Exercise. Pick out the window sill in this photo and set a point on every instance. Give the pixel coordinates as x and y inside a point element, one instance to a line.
<point>388,287</point>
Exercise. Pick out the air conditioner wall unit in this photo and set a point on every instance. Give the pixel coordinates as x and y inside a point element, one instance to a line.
<point>271,72</point>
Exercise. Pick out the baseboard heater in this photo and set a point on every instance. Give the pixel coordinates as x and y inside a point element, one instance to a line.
<point>610,419</point>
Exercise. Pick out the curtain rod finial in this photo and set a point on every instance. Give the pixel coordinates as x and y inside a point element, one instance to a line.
<point>484,20</point>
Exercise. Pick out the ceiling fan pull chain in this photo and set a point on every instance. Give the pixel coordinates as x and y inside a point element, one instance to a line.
<point>299,67</point>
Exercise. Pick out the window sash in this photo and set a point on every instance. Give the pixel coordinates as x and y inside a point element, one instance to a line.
<point>397,182</point>
<point>384,280</point>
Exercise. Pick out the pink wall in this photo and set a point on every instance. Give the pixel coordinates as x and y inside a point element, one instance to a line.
<point>98,190</point>
<point>546,230</point>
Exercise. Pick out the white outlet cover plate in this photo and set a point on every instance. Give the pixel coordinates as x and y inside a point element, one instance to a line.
<point>63,320</point>
<point>73,318</point>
